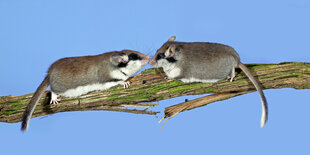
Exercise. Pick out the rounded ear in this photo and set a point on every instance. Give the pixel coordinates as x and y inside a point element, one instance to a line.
<point>116,59</point>
<point>171,51</point>
<point>172,38</point>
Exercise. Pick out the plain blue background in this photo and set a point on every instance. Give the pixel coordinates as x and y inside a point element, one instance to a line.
<point>34,34</point>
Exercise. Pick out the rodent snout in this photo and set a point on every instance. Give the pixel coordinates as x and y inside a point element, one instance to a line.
<point>153,62</point>
<point>146,60</point>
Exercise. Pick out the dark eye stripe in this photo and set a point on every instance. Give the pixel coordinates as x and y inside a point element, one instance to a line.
<point>160,56</point>
<point>122,64</point>
<point>171,60</point>
<point>134,56</point>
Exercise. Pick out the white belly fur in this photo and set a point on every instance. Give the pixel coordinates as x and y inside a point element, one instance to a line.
<point>88,88</point>
<point>172,72</point>
<point>192,79</point>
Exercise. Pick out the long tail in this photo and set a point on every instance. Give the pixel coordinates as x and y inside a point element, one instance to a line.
<point>260,91</point>
<point>32,104</point>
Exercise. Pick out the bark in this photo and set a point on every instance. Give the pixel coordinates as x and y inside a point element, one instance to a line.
<point>151,86</point>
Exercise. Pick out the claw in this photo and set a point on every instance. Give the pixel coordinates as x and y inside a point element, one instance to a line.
<point>54,102</point>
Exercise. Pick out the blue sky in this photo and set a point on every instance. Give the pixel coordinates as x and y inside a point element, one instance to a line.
<point>34,34</point>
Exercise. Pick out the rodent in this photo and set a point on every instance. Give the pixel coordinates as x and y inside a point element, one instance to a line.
<point>203,62</point>
<point>75,76</point>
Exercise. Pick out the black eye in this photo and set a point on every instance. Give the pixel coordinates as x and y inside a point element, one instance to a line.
<point>160,56</point>
<point>134,56</point>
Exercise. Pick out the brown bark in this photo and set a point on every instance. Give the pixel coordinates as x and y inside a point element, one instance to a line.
<point>151,86</point>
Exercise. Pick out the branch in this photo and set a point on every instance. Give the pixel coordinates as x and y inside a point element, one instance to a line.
<point>151,86</point>
<point>271,77</point>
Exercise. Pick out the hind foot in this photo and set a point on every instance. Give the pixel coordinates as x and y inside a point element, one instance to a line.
<point>232,75</point>
<point>54,98</point>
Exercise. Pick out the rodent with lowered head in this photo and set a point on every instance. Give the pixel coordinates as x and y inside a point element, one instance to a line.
<point>203,62</point>
<point>75,76</point>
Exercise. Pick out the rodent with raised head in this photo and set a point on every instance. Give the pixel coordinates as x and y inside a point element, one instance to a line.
<point>75,76</point>
<point>203,62</point>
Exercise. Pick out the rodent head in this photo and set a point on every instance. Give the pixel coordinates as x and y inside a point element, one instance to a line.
<point>129,61</point>
<point>167,53</point>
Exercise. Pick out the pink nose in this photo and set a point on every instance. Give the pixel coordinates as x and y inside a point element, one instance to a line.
<point>145,60</point>
<point>153,62</point>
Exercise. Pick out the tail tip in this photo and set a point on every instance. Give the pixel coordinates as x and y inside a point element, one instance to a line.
<point>24,127</point>
<point>263,123</point>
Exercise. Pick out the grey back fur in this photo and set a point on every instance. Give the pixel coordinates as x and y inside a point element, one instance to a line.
<point>218,59</point>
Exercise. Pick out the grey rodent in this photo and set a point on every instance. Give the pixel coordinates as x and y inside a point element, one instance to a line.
<point>74,76</point>
<point>203,62</point>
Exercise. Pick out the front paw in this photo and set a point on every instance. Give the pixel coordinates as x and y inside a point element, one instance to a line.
<point>126,84</point>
